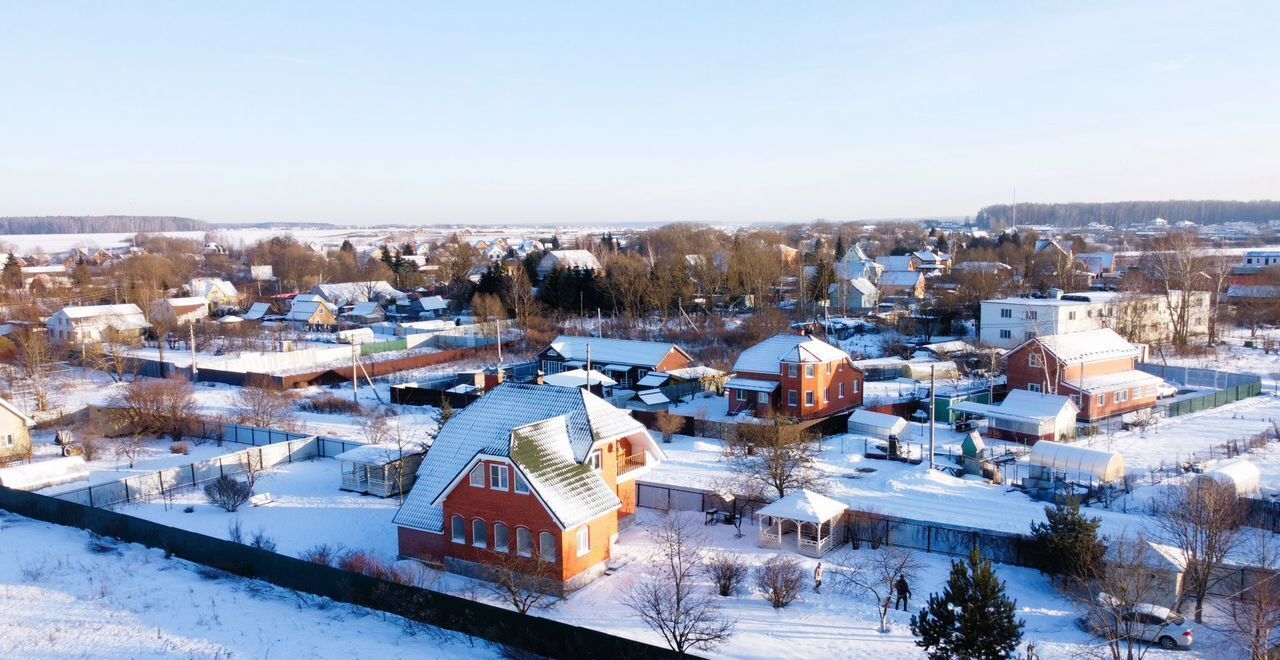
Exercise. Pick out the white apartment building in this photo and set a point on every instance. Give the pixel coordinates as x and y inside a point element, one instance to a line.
<point>1140,317</point>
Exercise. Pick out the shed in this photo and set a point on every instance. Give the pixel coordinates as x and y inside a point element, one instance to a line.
<point>43,474</point>
<point>382,470</point>
<point>1105,466</point>
<point>1241,474</point>
<point>973,445</point>
<point>815,518</point>
<point>878,425</point>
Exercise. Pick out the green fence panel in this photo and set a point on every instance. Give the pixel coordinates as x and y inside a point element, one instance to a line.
<point>374,348</point>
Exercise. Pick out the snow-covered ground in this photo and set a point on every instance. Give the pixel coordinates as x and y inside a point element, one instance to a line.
<point>61,599</point>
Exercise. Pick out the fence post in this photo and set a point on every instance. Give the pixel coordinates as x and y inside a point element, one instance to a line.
<point>193,474</point>
<point>126,489</point>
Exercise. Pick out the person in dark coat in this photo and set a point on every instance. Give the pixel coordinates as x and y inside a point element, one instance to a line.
<point>904,593</point>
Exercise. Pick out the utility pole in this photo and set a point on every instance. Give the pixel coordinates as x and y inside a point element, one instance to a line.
<point>355,380</point>
<point>588,366</point>
<point>195,370</point>
<point>599,323</point>
<point>499,322</point>
<point>933,399</point>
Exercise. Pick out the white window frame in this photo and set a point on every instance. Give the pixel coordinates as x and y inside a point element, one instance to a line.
<point>1034,387</point>
<point>810,371</point>
<point>499,477</point>
<point>547,552</point>
<point>457,524</point>
<point>793,398</point>
<point>1032,314</point>
<point>505,546</point>
<point>793,371</point>
<point>742,395</point>
<point>584,541</point>
<point>841,391</point>
<point>523,534</point>
<point>480,540</point>
<point>521,486</point>
<point>1006,334</point>
<point>826,395</point>
<point>1101,399</point>
<point>1006,313</point>
<point>809,399</point>
<point>1122,396</point>
<point>595,460</point>
<point>477,476</point>
<point>1033,360</point>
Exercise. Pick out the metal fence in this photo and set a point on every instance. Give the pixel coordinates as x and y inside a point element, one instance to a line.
<point>163,483</point>
<point>1225,387</point>
<point>326,447</point>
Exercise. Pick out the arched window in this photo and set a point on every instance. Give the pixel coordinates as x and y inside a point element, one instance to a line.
<point>547,547</point>
<point>479,533</point>
<point>458,529</point>
<point>524,542</point>
<point>500,537</point>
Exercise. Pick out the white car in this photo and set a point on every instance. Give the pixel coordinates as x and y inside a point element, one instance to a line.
<point>1142,621</point>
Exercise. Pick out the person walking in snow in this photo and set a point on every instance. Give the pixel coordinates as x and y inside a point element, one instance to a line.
<point>904,593</point>
<point>817,578</point>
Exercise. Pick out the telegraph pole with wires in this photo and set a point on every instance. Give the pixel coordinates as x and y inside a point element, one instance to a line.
<point>355,378</point>
<point>195,370</point>
<point>933,401</point>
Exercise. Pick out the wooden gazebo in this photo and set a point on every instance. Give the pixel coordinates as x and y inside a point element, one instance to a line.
<point>813,517</point>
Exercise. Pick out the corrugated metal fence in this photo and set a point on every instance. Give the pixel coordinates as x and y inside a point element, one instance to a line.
<point>1226,387</point>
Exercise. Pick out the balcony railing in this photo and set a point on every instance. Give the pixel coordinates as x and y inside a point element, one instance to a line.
<point>629,463</point>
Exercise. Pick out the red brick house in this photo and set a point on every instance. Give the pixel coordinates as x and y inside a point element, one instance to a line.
<point>794,376</point>
<point>545,473</point>
<point>1097,369</point>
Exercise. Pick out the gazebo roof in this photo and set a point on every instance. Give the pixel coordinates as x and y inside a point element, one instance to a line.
<point>804,506</point>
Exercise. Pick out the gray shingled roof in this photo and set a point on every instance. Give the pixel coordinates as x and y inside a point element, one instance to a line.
<point>486,427</point>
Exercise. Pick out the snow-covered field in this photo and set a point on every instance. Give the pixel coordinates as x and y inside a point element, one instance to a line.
<point>61,599</point>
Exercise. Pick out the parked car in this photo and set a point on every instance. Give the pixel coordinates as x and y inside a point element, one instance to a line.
<point>1143,621</point>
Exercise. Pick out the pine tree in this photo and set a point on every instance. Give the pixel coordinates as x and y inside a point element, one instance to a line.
<point>1067,542</point>
<point>387,258</point>
<point>12,274</point>
<point>972,619</point>
<point>347,247</point>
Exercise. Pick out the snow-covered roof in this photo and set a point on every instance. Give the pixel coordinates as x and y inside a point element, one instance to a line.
<point>487,427</point>
<point>1118,380</point>
<point>949,347</point>
<point>614,351</point>
<point>694,373</point>
<point>4,403</point>
<point>763,358</point>
<point>95,311</point>
<point>653,379</point>
<point>895,263</point>
<point>368,308</point>
<point>751,384</point>
<point>377,454</point>
<point>1087,346</point>
<point>1241,474</point>
<point>43,474</point>
<point>1023,406</point>
<point>188,301</point>
<point>1107,466</point>
<point>573,492</point>
<point>804,506</point>
<point>230,318</point>
<point>257,311</point>
<point>578,378</point>
<point>204,286</point>
<point>582,259</point>
<point>432,303</point>
<point>873,419</point>
<point>303,310</point>
<point>653,397</point>
<point>862,285</point>
<point>343,293</point>
<point>900,278</point>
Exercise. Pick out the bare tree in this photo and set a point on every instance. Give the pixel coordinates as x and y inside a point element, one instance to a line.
<point>1203,520</point>
<point>667,598</point>
<point>727,572</point>
<point>520,291</point>
<point>1176,270</point>
<point>398,441</point>
<point>779,580</point>
<point>1255,611</point>
<point>158,407</point>
<point>668,425</point>
<point>35,357</point>
<point>266,408</point>
<point>520,582</point>
<point>111,355</point>
<point>779,457</point>
<point>876,573</point>
<point>128,447</point>
<point>740,495</point>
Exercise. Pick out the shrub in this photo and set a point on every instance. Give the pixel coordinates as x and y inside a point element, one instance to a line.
<point>235,532</point>
<point>92,448</point>
<point>261,541</point>
<point>779,580</point>
<point>367,563</point>
<point>727,572</point>
<point>323,553</point>
<point>180,448</point>
<point>227,494</point>
<point>330,404</point>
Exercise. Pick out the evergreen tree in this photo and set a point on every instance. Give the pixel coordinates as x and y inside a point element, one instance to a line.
<point>942,244</point>
<point>555,242</point>
<point>12,274</point>
<point>972,619</point>
<point>387,258</point>
<point>1067,542</point>
<point>347,247</point>
<point>840,250</point>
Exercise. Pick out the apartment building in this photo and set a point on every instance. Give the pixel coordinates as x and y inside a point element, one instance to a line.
<point>1140,317</point>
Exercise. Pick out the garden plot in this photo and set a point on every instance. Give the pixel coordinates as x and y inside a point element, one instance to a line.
<point>64,595</point>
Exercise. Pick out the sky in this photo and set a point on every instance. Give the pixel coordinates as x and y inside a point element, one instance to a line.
<point>564,112</point>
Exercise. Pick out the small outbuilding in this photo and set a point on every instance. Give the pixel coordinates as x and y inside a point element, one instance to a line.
<point>876,425</point>
<point>1075,461</point>
<point>814,518</point>
<point>381,470</point>
<point>1240,474</point>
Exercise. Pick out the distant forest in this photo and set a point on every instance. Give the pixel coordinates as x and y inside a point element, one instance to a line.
<point>98,224</point>
<point>1119,214</point>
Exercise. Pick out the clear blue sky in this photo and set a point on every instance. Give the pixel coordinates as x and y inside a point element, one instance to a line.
<point>640,111</point>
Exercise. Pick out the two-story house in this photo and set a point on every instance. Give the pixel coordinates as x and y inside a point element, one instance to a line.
<point>90,323</point>
<point>1096,369</point>
<point>794,375</point>
<point>539,472</point>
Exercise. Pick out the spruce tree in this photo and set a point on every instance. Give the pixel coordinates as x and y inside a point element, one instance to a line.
<point>12,274</point>
<point>840,247</point>
<point>972,619</point>
<point>1066,543</point>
